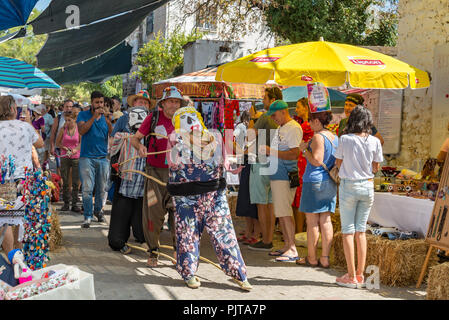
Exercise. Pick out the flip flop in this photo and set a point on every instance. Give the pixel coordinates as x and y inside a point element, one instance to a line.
<point>242,238</point>
<point>276,253</point>
<point>307,264</point>
<point>289,259</point>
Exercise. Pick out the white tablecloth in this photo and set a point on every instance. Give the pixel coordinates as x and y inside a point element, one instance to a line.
<point>83,289</point>
<point>404,213</point>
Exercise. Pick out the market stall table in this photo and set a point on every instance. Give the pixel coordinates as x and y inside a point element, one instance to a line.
<point>402,212</point>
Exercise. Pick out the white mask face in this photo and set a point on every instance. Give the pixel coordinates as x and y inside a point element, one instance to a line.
<point>190,122</point>
<point>136,117</point>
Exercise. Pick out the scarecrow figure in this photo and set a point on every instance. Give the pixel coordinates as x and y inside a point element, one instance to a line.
<point>127,202</point>
<point>198,187</point>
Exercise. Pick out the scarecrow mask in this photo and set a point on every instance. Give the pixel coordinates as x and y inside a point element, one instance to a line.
<point>187,119</point>
<point>136,117</point>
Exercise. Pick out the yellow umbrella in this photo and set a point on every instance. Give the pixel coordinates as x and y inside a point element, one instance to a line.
<point>333,64</point>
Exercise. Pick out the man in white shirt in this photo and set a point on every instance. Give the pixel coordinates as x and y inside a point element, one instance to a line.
<point>284,151</point>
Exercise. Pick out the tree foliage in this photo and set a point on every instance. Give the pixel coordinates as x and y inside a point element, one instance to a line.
<point>294,21</point>
<point>80,92</point>
<point>160,58</point>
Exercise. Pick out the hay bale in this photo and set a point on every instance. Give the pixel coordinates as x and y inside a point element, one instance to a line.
<point>232,202</point>
<point>399,261</point>
<point>438,282</point>
<point>336,222</point>
<point>55,240</point>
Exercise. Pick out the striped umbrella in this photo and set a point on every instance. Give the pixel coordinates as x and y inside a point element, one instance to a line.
<point>18,74</point>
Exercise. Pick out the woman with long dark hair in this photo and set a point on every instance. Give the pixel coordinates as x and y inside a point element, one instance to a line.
<point>319,192</point>
<point>358,158</point>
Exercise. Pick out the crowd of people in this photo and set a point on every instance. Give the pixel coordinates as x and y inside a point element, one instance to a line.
<point>284,171</point>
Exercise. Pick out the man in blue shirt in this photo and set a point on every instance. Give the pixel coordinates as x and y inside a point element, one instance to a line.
<point>94,126</point>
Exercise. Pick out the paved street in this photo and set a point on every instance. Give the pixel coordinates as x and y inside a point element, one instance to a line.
<point>126,277</point>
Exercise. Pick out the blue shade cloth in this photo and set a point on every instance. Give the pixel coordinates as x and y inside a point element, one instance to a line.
<point>69,47</point>
<point>53,18</point>
<point>15,13</point>
<point>115,61</point>
<point>293,94</point>
<point>18,74</point>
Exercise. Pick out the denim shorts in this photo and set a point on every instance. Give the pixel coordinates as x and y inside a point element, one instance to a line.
<point>318,197</point>
<point>356,199</point>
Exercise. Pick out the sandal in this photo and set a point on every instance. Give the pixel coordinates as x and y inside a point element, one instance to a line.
<point>289,259</point>
<point>193,282</point>
<point>242,238</point>
<point>307,263</point>
<point>250,241</point>
<point>276,253</point>
<point>152,260</point>
<point>321,265</point>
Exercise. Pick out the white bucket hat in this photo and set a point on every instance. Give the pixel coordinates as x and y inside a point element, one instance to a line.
<point>172,93</point>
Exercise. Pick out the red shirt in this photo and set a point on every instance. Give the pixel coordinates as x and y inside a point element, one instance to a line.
<point>165,127</point>
<point>307,134</point>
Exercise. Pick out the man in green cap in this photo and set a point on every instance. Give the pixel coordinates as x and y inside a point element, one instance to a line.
<point>284,153</point>
<point>353,100</point>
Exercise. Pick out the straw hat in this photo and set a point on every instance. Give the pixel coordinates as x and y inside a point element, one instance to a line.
<point>143,94</point>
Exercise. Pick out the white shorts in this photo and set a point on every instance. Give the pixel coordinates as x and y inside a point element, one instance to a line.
<point>283,197</point>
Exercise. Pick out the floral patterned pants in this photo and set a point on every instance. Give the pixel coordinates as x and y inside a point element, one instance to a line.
<point>210,211</point>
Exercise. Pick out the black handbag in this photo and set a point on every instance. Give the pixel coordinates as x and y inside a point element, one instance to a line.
<point>293,177</point>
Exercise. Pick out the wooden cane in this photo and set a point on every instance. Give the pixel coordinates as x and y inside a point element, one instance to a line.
<point>156,252</point>
<point>146,154</point>
<point>201,258</point>
<point>147,176</point>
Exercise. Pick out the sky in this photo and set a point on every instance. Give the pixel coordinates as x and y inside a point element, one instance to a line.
<point>42,4</point>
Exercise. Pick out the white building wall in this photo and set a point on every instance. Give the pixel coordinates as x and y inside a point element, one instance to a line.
<point>423,25</point>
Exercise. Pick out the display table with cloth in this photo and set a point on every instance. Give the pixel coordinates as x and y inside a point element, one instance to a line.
<point>12,213</point>
<point>402,212</point>
<point>82,289</point>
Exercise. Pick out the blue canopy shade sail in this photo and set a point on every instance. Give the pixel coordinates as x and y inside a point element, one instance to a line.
<point>114,62</point>
<point>15,13</point>
<point>18,74</point>
<point>293,94</point>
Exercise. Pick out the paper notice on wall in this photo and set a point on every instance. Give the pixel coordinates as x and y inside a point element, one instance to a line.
<point>390,117</point>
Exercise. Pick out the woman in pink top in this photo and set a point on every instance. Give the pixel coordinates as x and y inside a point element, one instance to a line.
<point>69,141</point>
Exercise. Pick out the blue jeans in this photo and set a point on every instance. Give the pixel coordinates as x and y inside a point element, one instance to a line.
<point>94,173</point>
<point>356,199</point>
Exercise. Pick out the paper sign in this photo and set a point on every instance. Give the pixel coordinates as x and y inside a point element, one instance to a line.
<point>319,99</point>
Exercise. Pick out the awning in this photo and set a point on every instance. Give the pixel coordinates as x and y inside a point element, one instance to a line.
<point>69,47</point>
<point>54,17</point>
<point>202,84</point>
<point>15,13</point>
<point>113,62</point>
<point>13,35</point>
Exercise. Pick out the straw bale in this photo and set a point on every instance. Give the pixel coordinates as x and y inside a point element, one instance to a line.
<point>232,202</point>
<point>336,222</point>
<point>399,261</point>
<point>55,240</point>
<point>438,282</point>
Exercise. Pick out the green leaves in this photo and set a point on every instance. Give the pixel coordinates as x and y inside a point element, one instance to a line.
<point>337,21</point>
<point>160,58</point>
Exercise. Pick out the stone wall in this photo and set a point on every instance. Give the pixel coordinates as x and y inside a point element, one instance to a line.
<point>422,26</point>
